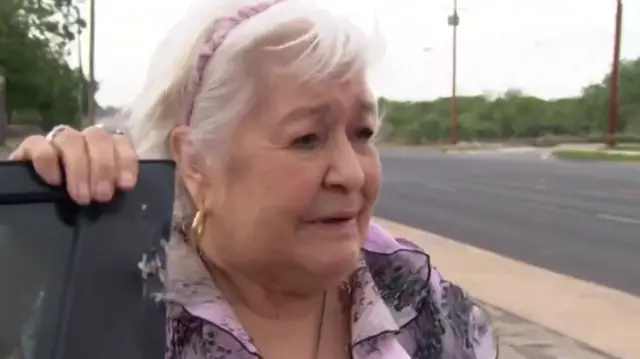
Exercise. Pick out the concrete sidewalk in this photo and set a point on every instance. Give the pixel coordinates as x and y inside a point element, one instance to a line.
<point>522,339</point>
<point>539,314</point>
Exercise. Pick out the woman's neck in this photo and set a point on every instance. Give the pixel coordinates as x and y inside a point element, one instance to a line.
<point>319,323</point>
<point>272,304</point>
<point>244,293</point>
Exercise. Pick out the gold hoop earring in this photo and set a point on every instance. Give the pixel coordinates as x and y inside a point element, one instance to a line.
<point>197,227</point>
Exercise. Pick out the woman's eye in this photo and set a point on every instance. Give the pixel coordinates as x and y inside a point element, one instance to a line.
<point>307,142</point>
<point>365,134</point>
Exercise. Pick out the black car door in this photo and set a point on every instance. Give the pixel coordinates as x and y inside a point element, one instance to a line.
<point>70,282</point>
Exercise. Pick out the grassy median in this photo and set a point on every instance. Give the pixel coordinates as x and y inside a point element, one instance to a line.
<point>628,147</point>
<point>597,155</point>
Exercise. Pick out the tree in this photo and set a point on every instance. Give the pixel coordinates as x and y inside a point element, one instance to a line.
<point>34,37</point>
<point>514,115</point>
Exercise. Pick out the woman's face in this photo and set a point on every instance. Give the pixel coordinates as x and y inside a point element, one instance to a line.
<point>291,205</point>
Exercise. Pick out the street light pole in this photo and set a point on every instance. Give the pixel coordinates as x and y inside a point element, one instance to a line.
<point>4,114</point>
<point>454,21</point>
<point>615,75</point>
<point>91,104</point>
<point>81,76</point>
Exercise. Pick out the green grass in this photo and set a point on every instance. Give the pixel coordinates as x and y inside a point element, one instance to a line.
<point>410,147</point>
<point>628,147</point>
<point>601,155</point>
<point>438,147</point>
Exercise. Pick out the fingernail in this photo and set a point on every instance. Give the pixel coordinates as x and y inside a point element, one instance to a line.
<point>126,179</point>
<point>83,193</point>
<point>103,191</point>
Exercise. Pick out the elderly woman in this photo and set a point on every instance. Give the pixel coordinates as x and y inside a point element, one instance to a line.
<point>269,117</point>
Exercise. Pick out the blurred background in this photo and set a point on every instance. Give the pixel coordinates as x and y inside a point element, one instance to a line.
<point>510,141</point>
<point>523,72</point>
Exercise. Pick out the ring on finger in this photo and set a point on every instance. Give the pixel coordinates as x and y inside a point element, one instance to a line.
<point>56,131</point>
<point>111,130</point>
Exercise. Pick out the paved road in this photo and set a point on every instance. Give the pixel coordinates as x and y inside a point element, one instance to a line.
<point>580,219</point>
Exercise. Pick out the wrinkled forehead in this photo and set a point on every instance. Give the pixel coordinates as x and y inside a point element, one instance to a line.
<point>284,92</point>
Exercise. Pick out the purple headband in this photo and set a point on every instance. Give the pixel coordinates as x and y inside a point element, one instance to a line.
<point>221,30</point>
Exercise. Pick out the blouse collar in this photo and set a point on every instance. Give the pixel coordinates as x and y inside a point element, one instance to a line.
<point>189,284</point>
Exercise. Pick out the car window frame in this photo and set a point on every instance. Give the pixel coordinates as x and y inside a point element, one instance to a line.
<point>105,309</point>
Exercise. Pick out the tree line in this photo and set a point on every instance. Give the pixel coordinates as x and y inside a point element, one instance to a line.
<point>515,116</point>
<point>39,87</point>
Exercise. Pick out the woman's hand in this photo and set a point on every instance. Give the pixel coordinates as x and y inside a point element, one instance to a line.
<point>95,162</point>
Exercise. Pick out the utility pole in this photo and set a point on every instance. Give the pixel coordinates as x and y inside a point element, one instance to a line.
<point>91,89</point>
<point>454,21</point>
<point>4,114</point>
<point>615,76</point>
<point>81,86</point>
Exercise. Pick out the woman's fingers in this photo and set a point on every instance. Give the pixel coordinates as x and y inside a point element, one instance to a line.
<point>43,155</point>
<point>95,162</point>
<point>102,164</point>
<point>126,163</point>
<point>71,147</point>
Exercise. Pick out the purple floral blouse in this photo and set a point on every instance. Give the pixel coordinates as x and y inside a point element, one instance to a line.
<point>403,309</point>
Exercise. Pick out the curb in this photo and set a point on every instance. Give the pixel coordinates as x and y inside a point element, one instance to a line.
<point>603,318</point>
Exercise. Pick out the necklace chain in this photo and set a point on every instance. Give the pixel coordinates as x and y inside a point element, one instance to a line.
<point>320,325</point>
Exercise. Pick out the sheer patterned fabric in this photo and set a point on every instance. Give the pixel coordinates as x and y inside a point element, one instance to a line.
<point>402,309</point>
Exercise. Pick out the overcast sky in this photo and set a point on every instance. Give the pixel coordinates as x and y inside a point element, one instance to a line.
<point>548,48</point>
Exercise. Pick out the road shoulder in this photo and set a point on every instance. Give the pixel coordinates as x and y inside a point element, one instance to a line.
<point>602,318</point>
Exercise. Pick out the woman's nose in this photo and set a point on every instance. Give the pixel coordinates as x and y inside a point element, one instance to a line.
<point>345,170</point>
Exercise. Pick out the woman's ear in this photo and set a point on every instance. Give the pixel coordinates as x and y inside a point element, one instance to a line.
<point>189,163</point>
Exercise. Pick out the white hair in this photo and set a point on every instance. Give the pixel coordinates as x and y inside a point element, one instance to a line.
<point>225,91</point>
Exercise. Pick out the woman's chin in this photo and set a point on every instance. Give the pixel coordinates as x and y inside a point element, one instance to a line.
<point>334,263</point>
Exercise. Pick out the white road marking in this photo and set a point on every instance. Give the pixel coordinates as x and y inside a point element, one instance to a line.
<point>609,217</point>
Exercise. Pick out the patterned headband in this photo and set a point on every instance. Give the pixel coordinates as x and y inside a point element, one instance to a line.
<point>221,30</point>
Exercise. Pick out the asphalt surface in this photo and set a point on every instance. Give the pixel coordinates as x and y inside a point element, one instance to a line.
<point>580,219</point>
